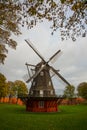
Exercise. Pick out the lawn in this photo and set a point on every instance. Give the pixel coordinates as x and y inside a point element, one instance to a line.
<point>14,117</point>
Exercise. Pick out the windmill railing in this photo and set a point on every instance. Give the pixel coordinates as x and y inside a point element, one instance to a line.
<point>42,93</point>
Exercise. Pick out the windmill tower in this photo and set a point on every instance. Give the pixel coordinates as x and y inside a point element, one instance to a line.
<point>42,97</point>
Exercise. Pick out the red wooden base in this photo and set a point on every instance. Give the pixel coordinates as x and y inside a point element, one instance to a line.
<point>42,104</point>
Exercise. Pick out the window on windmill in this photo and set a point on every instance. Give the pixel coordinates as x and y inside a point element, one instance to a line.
<point>51,92</point>
<point>49,83</point>
<point>42,73</point>
<point>41,92</point>
<point>41,104</point>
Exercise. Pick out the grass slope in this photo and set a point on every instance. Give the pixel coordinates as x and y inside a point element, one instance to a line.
<point>14,117</point>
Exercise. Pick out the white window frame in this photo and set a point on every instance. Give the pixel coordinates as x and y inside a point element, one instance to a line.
<point>41,92</point>
<point>51,92</point>
<point>49,83</point>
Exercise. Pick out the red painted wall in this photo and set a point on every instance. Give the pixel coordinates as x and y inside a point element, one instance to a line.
<point>49,106</point>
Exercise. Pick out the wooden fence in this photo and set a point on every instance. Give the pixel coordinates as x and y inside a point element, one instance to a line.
<point>20,102</point>
<point>11,100</point>
<point>73,101</point>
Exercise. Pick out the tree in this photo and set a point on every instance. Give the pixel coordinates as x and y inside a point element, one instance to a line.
<point>20,88</point>
<point>3,86</point>
<point>82,90</point>
<point>9,18</point>
<point>67,16</point>
<point>11,91</point>
<point>69,92</point>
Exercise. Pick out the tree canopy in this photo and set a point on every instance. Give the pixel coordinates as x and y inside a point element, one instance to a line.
<point>69,92</point>
<point>20,88</point>
<point>3,86</point>
<point>11,91</point>
<point>8,24</point>
<point>82,90</point>
<point>67,16</point>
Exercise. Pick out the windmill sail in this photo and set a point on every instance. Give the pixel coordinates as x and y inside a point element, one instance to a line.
<point>54,56</point>
<point>60,76</point>
<point>26,77</point>
<point>44,64</point>
<point>34,48</point>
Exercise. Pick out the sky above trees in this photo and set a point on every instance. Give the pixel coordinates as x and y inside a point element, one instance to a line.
<point>71,62</point>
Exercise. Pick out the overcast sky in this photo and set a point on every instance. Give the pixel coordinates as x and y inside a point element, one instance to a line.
<point>72,62</point>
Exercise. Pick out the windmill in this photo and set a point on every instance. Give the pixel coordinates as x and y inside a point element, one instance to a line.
<point>42,97</point>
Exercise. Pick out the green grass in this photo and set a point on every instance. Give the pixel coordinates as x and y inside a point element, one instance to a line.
<point>15,117</point>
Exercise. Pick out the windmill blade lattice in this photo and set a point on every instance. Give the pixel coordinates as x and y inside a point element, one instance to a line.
<point>26,77</point>
<point>51,58</point>
<point>60,76</point>
<point>34,49</point>
<point>45,63</point>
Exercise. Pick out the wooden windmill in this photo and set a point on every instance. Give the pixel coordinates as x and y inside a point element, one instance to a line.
<point>42,97</point>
